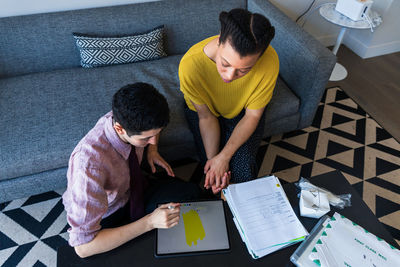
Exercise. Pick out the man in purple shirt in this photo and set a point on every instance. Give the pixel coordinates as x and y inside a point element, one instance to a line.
<point>100,172</point>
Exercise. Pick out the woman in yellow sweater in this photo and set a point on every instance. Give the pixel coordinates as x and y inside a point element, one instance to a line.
<point>227,81</point>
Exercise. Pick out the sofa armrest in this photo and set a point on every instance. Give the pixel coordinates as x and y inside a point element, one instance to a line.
<point>305,64</point>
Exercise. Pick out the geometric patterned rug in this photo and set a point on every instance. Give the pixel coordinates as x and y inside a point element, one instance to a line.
<point>31,230</point>
<point>342,137</point>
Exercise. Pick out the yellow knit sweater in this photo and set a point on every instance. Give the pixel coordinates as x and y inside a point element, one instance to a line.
<point>201,83</point>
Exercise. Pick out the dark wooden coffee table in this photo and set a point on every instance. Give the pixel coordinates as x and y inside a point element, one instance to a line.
<point>140,251</point>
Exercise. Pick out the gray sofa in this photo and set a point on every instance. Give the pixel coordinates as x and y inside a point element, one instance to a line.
<point>48,102</point>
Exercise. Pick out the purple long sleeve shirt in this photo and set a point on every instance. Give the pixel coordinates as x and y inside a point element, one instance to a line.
<point>98,180</point>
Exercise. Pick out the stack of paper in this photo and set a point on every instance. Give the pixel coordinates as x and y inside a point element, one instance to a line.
<point>263,216</point>
<point>344,243</point>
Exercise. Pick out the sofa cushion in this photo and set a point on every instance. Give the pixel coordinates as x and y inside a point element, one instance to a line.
<point>284,103</point>
<point>97,51</point>
<point>45,115</point>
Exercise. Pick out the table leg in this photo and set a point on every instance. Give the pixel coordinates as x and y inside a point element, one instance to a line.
<point>339,71</point>
<point>339,40</point>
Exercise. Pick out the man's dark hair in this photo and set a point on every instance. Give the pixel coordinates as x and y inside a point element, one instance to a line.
<point>140,107</point>
<point>248,33</point>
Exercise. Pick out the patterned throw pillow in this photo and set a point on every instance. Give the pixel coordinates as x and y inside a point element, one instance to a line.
<point>102,51</point>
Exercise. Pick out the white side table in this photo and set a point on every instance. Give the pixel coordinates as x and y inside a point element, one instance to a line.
<point>330,14</point>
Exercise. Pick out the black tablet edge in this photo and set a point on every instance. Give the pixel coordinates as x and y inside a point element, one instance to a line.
<point>195,253</point>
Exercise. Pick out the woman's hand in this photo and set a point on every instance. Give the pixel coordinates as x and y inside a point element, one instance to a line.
<point>217,173</point>
<point>224,183</point>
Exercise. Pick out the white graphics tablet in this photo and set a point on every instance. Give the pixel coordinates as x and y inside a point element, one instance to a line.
<point>201,229</point>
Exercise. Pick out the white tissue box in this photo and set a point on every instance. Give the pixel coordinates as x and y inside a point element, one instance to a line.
<point>313,203</point>
<point>353,9</point>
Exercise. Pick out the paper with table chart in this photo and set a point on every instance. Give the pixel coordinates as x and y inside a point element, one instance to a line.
<point>344,243</point>
<point>263,215</point>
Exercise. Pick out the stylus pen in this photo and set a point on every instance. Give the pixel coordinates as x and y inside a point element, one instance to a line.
<point>172,207</point>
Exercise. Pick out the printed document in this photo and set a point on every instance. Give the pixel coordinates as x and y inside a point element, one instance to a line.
<point>264,216</point>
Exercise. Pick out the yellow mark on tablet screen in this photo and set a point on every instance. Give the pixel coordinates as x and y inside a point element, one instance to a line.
<point>193,227</point>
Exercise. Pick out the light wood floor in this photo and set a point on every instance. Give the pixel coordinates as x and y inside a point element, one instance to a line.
<point>374,84</point>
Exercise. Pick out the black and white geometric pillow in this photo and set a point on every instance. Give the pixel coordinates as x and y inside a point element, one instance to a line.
<point>98,51</point>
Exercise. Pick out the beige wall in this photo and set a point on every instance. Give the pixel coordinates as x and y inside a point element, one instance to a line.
<point>23,7</point>
<point>384,40</point>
